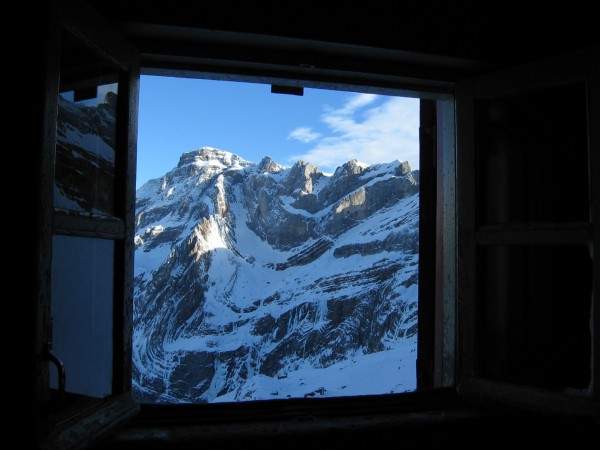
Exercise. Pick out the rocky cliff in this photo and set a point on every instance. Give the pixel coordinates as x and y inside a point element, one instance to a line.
<point>255,281</point>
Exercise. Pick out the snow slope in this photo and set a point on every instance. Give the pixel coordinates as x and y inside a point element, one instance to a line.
<point>261,282</point>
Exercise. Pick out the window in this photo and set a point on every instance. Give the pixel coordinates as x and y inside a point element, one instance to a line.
<point>528,178</point>
<point>91,217</point>
<point>526,206</point>
<point>83,300</point>
<point>502,254</point>
<point>257,280</point>
<point>84,187</point>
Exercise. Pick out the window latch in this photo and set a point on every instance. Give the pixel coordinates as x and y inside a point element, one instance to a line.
<point>60,367</point>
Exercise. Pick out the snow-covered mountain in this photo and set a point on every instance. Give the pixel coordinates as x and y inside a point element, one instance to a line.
<point>255,281</point>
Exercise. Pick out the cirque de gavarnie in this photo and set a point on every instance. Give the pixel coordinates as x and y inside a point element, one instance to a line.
<point>255,281</point>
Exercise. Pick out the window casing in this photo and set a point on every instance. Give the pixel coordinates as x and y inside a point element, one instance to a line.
<point>527,235</point>
<point>459,278</point>
<point>83,299</point>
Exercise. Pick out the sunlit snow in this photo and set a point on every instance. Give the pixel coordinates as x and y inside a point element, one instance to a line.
<point>245,288</point>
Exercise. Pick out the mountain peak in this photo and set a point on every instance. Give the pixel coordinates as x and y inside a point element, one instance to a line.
<point>267,164</point>
<point>403,168</point>
<point>210,156</point>
<point>352,167</point>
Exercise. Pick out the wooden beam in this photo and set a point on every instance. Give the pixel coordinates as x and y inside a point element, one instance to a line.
<point>530,399</point>
<point>125,207</point>
<point>427,242</point>
<point>535,234</point>
<point>45,68</point>
<point>466,260</point>
<point>445,365</point>
<point>85,426</point>
<point>94,227</point>
<point>593,88</point>
<point>83,22</point>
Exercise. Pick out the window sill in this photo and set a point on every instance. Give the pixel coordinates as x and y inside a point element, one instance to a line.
<point>428,419</point>
<point>293,419</point>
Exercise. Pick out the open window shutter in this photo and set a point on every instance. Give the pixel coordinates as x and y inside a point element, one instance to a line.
<point>84,304</point>
<point>528,235</point>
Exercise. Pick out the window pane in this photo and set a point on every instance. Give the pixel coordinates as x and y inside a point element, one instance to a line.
<point>533,157</point>
<point>85,135</point>
<point>82,313</point>
<point>535,315</point>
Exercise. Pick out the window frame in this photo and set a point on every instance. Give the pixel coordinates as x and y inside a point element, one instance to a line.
<point>435,367</point>
<point>579,66</point>
<point>436,346</point>
<point>455,230</point>
<point>452,355</point>
<point>104,415</point>
<point>62,422</point>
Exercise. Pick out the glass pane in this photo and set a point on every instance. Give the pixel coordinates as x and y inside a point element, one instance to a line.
<point>82,313</point>
<point>533,157</point>
<point>85,135</point>
<point>535,311</point>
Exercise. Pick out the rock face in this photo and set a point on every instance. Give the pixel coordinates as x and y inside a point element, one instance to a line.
<point>251,277</point>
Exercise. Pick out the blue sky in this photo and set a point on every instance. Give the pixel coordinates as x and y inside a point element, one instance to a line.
<point>325,128</point>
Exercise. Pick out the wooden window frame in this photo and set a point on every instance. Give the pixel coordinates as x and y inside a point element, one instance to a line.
<point>436,135</point>
<point>73,424</point>
<point>436,342</point>
<point>581,66</point>
<point>447,354</point>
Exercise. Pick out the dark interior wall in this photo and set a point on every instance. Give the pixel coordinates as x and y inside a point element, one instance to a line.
<point>502,34</point>
<point>32,109</point>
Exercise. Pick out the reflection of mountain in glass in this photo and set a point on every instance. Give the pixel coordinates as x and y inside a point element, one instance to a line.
<point>85,155</point>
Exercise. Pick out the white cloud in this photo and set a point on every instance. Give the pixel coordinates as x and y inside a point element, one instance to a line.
<point>383,133</point>
<point>304,134</point>
<point>356,102</point>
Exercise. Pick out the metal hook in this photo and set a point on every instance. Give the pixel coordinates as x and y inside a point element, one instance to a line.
<point>60,367</point>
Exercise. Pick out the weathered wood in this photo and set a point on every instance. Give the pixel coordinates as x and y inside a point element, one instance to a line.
<point>309,78</point>
<point>522,80</point>
<point>184,49</point>
<point>427,242</point>
<point>43,137</point>
<point>86,425</point>
<point>125,205</point>
<point>79,424</point>
<point>466,261</point>
<point>593,87</point>
<point>530,399</point>
<point>296,408</point>
<point>82,225</point>
<point>84,23</point>
<point>375,84</point>
<point>542,74</point>
<point>535,234</point>
<point>196,434</point>
<point>445,320</point>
